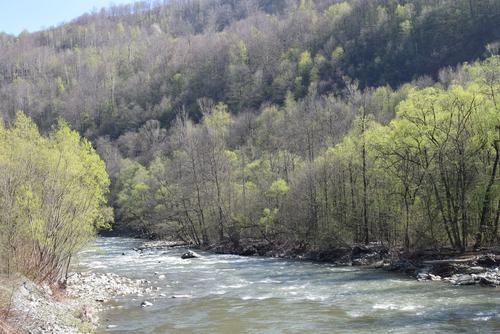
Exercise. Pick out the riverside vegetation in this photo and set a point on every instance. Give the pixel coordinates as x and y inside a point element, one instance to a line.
<point>300,176</point>
<point>252,126</point>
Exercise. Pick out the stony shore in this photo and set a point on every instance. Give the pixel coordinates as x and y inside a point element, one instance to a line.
<point>473,268</point>
<point>469,269</point>
<point>40,309</point>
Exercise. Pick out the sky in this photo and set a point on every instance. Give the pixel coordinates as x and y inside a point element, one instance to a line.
<point>34,15</point>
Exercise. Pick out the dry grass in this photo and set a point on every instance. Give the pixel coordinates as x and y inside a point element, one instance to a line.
<point>7,287</point>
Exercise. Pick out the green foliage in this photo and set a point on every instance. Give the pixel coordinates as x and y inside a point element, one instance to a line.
<point>338,9</point>
<point>408,167</point>
<point>243,52</point>
<point>305,63</point>
<point>60,86</point>
<point>278,188</point>
<point>268,218</point>
<point>337,53</point>
<point>53,198</point>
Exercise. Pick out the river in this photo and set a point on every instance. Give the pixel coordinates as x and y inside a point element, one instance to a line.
<point>234,294</point>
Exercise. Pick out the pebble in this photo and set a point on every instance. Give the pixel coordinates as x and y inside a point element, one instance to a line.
<point>88,292</point>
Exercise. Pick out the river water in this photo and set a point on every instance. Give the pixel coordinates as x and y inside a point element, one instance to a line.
<point>233,294</point>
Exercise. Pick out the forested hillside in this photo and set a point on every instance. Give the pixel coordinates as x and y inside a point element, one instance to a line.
<point>108,73</point>
<point>307,124</point>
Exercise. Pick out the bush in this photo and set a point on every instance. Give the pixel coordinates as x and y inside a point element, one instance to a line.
<point>52,197</point>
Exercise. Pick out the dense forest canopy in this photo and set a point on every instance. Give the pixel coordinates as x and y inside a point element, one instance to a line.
<point>315,124</point>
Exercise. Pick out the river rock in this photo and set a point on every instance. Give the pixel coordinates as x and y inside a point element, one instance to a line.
<point>366,259</point>
<point>188,255</point>
<point>463,279</point>
<point>423,276</point>
<point>146,304</point>
<point>489,281</point>
<point>435,277</point>
<point>488,260</point>
<point>475,270</point>
<point>447,269</point>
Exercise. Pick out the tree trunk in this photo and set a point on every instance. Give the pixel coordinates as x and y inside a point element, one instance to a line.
<point>365,188</point>
<point>483,223</point>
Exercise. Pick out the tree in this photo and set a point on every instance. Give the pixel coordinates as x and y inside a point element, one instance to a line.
<point>451,131</point>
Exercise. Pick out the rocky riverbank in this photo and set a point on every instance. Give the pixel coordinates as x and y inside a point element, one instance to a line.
<point>468,269</point>
<point>40,309</point>
<point>473,268</point>
<point>481,268</point>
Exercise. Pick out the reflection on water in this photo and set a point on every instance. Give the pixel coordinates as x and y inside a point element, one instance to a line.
<point>233,294</point>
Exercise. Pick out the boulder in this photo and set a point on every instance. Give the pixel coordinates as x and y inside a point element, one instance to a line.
<point>188,255</point>
<point>371,254</point>
<point>475,270</point>
<point>146,304</point>
<point>463,279</point>
<point>489,281</point>
<point>488,260</point>
<point>423,276</point>
<point>360,250</point>
<point>435,277</point>
<point>446,269</point>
